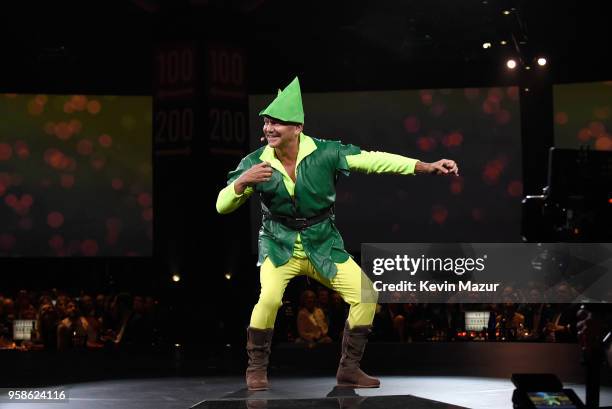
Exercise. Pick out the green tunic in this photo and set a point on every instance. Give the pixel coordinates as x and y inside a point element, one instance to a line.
<point>315,192</point>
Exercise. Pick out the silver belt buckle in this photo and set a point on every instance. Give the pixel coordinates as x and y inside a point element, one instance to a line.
<point>301,222</point>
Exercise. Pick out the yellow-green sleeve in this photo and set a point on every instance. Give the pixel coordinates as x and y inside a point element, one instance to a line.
<point>381,162</point>
<point>228,200</point>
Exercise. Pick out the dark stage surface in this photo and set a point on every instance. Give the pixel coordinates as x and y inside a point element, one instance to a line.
<point>293,392</point>
<point>415,375</point>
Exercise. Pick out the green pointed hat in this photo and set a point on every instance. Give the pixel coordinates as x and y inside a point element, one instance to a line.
<point>287,106</point>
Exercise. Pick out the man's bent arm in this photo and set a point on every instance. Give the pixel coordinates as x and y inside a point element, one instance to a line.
<point>229,199</point>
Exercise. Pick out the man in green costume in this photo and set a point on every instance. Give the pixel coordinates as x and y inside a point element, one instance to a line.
<point>295,176</point>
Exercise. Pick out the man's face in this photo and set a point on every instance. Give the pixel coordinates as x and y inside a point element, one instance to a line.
<point>563,293</point>
<point>309,300</point>
<point>278,133</point>
<point>71,309</point>
<point>87,303</point>
<point>534,295</point>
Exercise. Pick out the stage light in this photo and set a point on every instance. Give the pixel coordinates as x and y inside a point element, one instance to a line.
<point>176,278</point>
<point>506,12</point>
<point>228,276</point>
<point>503,42</point>
<point>486,45</point>
<point>541,61</point>
<point>527,67</point>
<point>511,64</point>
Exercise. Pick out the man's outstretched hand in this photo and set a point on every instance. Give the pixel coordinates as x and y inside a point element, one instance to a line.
<point>441,167</point>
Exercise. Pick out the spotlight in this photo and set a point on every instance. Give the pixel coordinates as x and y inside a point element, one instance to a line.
<point>511,64</point>
<point>228,276</point>
<point>527,67</point>
<point>541,61</point>
<point>486,45</point>
<point>176,278</point>
<point>503,42</point>
<point>506,12</point>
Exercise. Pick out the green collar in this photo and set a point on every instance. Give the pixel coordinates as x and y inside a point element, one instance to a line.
<point>305,148</point>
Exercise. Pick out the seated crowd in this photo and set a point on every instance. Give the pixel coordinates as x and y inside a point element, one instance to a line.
<point>321,314</point>
<point>62,322</point>
<point>123,321</point>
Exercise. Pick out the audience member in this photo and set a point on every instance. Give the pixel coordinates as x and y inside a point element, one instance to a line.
<point>46,327</point>
<point>311,322</point>
<point>74,332</point>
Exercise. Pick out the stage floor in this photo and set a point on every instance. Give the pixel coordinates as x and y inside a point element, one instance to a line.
<point>229,392</point>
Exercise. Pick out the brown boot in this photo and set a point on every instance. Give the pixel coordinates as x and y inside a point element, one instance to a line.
<point>353,344</point>
<point>258,346</point>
